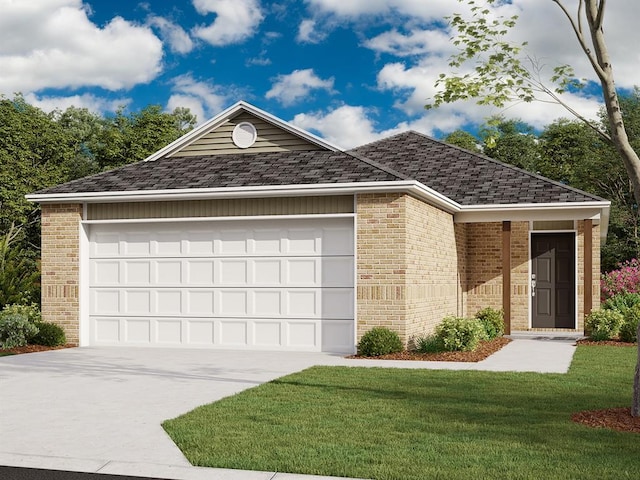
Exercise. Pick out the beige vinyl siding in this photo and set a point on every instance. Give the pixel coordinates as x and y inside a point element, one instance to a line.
<point>270,139</point>
<point>221,208</point>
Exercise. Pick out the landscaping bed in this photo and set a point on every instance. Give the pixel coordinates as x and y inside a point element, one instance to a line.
<point>482,351</point>
<point>31,349</point>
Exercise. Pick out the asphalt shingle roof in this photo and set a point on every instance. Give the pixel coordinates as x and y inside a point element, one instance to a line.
<point>235,170</point>
<point>464,177</point>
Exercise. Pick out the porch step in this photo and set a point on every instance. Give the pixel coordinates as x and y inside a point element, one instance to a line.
<point>570,335</point>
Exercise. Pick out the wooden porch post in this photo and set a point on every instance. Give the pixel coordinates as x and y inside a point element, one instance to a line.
<point>588,266</point>
<point>506,275</point>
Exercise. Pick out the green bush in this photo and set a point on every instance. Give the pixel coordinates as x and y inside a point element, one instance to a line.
<point>429,344</point>
<point>32,312</point>
<point>457,333</point>
<point>493,322</point>
<point>49,334</point>
<point>379,341</point>
<point>15,330</point>
<point>603,324</point>
<point>622,302</point>
<point>629,328</point>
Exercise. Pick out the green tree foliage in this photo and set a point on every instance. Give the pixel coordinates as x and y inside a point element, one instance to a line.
<point>465,140</point>
<point>19,276</point>
<point>511,141</point>
<point>39,149</point>
<point>34,150</point>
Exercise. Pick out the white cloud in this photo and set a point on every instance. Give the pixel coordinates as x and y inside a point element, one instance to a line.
<point>287,89</point>
<point>53,44</point>
<point>309,33</point>
<point>431,9</point>
<point>236,20</point>
<point>201,98</point>
<point>417,42</point>
<point>88,101</point>
<point>178,40</point>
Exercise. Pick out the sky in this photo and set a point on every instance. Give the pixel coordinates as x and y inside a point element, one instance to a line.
<point>351,71</point>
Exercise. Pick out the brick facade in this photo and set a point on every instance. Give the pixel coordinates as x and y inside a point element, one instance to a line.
<point>60,267</point>
<point>414,266</point>
<point>407,264</point>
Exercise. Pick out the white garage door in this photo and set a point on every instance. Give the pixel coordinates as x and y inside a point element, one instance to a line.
<point>261,284</point>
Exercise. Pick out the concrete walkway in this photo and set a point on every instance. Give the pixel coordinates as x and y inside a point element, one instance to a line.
<point>100,409</point>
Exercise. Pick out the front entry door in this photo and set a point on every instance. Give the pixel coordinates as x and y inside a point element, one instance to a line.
<point>553,280</point>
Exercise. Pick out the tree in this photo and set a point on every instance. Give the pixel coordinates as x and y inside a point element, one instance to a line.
<point>502,73</point>
<point>511,141</point>
<point>463,139</point>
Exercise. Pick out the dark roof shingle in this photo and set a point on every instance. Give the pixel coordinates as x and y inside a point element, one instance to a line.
<point>466,177</point>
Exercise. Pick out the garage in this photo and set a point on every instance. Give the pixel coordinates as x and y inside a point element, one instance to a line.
<point>259,283</point>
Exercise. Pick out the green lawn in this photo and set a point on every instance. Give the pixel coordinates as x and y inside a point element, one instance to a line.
<point>417,424</point>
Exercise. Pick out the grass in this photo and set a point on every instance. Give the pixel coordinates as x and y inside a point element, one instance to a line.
<point>415,424</point>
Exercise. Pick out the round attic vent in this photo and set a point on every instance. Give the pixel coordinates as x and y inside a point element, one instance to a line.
<point>244,135</point>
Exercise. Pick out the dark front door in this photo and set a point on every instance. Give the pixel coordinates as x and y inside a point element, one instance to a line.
<point>553,285</point>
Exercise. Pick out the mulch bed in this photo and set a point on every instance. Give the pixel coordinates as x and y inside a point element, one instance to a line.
<point>619,419</point>
<point>483,350</point>
<point>33,349</point>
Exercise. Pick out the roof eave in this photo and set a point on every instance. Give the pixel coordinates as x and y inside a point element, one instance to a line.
<point>230,112</point>
<point>597,210</point>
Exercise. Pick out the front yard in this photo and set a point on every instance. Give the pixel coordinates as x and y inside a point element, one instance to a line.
<point>415,424</point>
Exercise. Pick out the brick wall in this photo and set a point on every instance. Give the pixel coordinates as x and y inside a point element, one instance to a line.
<point>407,264</point>
<point>484,266</point>
<point>60,267</point>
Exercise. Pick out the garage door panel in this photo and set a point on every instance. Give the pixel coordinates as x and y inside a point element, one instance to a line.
<point>338,336</point>
<point>167,272</point>
<point>105,301</point>
<point>233,333</point>
<point>337,241</point>
<point>105,272</point>
<point>337,271</point>
<point>302,334</point>
<point>228,284</point>
<point>337,303</point>
<point>169,331</point>
<point>199,302</point>
<point>200,332</point>
<point>137,272</point>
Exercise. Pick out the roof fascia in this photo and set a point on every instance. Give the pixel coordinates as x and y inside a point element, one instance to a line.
<point>410,186</point>
<point>598,211</point>
<point>230,112</point>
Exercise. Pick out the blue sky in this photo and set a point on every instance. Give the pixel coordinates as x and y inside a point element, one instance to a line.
<point>348,70</point>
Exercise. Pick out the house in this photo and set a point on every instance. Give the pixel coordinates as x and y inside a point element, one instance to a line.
<point>251,233</point>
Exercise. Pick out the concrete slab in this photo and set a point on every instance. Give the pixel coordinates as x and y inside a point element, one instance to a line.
<point>100,409</point>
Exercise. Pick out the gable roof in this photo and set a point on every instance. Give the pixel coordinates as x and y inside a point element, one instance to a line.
<point>467,178</point>
<point>471,186</point>
<point>228,114</point>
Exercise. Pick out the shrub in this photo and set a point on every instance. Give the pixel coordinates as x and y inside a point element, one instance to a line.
<point>626,279</point>
<point>49,334</point>
<point>629,328</point>
<point>379,341</point>
<point>429,344</point>
<point>457,333</point>
<point>493,322</point>
<point>32,312</point>
<point>15,330</point>
<point>603,324</point>
<point>621,302</point>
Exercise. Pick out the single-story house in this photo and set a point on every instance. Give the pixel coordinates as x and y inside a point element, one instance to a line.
<point>249,232</point>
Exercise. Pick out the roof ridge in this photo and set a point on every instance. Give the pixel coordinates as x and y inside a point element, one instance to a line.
<point>503,164</point>
<point>378,165</point>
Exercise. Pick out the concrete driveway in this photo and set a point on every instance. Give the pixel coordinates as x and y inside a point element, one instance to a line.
<point>100,409</point>
<point>107,404</point>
